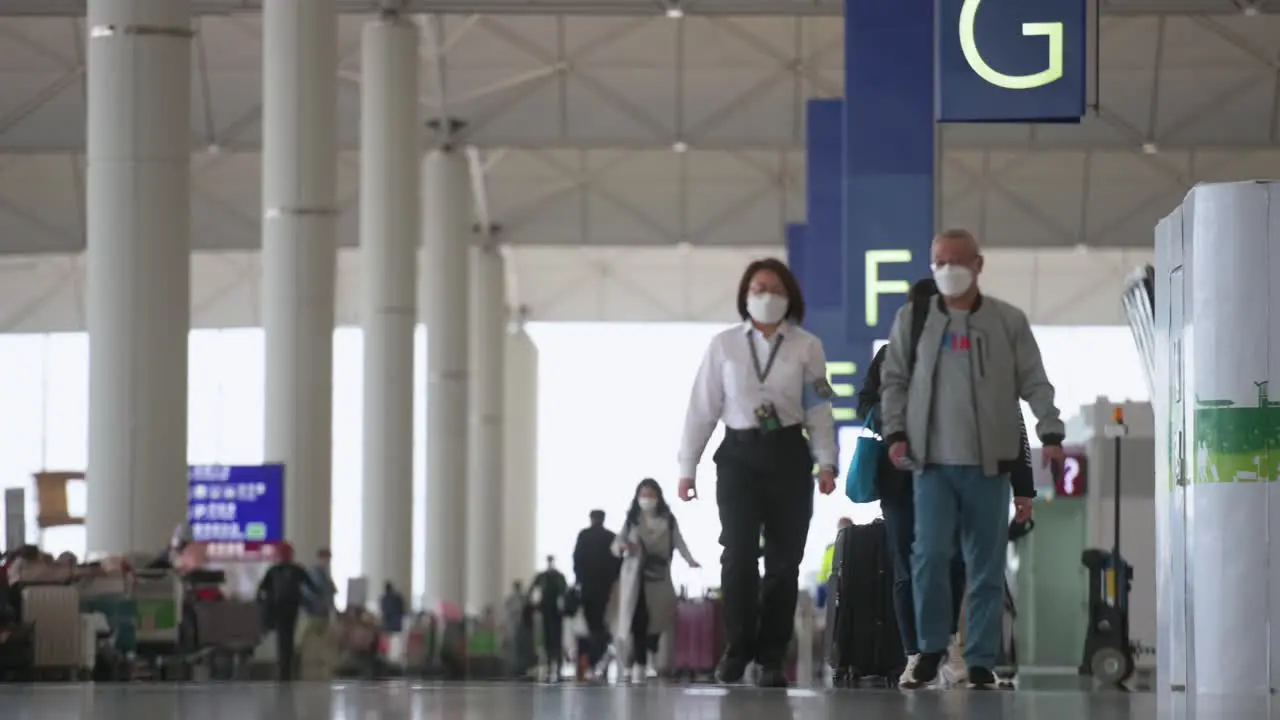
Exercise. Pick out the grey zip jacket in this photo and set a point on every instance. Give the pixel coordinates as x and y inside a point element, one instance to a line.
<point>1006,366</point>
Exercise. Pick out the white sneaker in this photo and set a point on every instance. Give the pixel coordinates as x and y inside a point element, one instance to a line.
<point>909,674</point>
<point>639,674</point>
<point>954,673</point>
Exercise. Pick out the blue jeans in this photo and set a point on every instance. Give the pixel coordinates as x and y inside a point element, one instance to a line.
<point>951,498</point>
<point>900,531</point>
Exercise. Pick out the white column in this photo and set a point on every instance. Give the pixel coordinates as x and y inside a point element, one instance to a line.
<point>520,486</point>
<point>446,225</point>
<point>299,187</point>
<point>139,270</point>
<point>485,436</point>
<point>389,236</point>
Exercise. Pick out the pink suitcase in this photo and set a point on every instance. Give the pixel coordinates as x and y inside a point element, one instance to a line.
<point>697,638</point>
<point>54,613</point>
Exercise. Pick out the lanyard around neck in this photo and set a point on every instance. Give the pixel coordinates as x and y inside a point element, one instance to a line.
<point>762,374</point>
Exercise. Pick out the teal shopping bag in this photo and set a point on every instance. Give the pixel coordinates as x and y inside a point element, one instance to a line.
<point>860,481</point>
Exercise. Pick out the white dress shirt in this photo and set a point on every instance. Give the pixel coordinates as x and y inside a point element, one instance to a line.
<point>727,389</point>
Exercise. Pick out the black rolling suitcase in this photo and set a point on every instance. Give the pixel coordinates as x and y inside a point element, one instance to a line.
<point>862,630</point>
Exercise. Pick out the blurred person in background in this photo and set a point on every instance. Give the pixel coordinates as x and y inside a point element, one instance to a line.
<point>547,593</point>
<point>321,599</point>
<point>393,609</point>
<point>595,568</point>
<point>650,538</point>
<point>280,596</point>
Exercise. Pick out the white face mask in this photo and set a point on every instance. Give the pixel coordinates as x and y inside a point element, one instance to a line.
<point>767,308</point>
<point>647,504</point>
<point>953,280</point>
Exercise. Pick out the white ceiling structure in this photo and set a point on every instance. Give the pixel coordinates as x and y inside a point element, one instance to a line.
<point>635,161</point>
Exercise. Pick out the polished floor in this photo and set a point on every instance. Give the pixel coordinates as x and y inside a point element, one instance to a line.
<point>418,701</point>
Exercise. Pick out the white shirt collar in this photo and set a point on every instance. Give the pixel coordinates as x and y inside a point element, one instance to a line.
<point>748,328</point>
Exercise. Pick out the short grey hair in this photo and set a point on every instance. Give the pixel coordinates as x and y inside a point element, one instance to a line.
<point>960,234</point>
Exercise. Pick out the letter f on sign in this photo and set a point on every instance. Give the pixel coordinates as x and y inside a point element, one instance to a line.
<point>877,287</point>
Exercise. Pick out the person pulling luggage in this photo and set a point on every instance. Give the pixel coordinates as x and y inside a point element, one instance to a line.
<point>766,379</point>
<point>595,568</point>
<point>649,539</point>
<point>951,415</point>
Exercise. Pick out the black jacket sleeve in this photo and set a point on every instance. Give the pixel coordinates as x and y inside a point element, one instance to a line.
<point>869,394</point>
<point>1021,477</point>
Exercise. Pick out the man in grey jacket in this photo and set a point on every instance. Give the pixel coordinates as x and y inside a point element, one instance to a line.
<point>950,412</point>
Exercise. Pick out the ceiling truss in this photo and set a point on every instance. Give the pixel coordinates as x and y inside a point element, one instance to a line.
<point>603,126</point>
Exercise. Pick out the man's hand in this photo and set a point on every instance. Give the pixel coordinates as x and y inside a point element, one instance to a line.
<point>826,481</point>
<point>688,489</point>
<point>695,564</point>
<point>1052,454</point>
<point>898,455</point>
<point>1022,510</point>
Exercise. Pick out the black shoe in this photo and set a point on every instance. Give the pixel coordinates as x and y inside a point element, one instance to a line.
<point>771,676</point>
<point>926,671</point>
<point>730,670</point>
<point>981,678</point>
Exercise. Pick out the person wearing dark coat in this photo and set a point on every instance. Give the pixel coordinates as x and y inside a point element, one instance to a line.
<point>896,489</point>
<point>595,569</point>
<point>281,596</point>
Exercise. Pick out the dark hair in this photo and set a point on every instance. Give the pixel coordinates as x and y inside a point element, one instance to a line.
<point>633,513</point>
<point>795,298</point>
<point>597,517</point>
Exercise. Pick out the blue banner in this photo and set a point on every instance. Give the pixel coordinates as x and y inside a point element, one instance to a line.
<point>804,258</point>
<point>1011,60</point>
<point>229,503</point>
<point>889,156</point>
<point>822,257</point>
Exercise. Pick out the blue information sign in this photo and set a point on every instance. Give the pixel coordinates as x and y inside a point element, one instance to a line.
<point>1012,60</point>
<point>236,503</point>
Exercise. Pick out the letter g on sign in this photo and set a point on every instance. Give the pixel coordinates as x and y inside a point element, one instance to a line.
<point>969,45</point>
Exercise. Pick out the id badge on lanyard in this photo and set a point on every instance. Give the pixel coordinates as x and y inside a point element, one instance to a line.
<point>766,415</point>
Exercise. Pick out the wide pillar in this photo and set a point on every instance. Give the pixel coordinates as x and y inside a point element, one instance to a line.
<point>890,181</point>
<point>446,226</point>
<point>299,187</point>
<point>485,435</point>
<point>520,456</point>
<point>138,154</point>
<point>389,237</point>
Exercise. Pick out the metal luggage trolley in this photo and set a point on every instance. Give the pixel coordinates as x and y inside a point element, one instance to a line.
<point>159,596</point>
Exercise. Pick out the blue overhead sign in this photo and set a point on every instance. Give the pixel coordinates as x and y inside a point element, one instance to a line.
<point>236,503</point>
<point>1011,60</point>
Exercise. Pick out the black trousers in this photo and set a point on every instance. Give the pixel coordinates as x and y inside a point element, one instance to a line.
<point>594,604</point>
<point>285,625</point>
<point>764,483</point>
<point>553,639</point>
<point>643,643</point>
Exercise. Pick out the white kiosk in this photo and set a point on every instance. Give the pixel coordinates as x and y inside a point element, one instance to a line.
<point>1217,351</point>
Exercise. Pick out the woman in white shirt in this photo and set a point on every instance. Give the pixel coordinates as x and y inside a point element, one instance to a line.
<point>766,379</point>
<point>646,595</point>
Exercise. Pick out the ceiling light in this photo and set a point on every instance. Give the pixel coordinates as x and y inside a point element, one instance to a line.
<point>1150,148</point>
<point>680,146</point>
<point>674,11</point>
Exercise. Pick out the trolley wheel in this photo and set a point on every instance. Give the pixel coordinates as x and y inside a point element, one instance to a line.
<point>1111,665</point>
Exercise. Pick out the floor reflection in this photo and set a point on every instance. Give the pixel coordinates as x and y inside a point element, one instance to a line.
<point>420,701</point>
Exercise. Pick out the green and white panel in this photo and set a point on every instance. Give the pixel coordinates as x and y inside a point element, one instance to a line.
<point>1231,430</point>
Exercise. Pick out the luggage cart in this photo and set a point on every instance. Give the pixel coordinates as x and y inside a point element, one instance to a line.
<point>159,597</point>
<point>1108,649</point>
